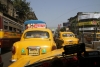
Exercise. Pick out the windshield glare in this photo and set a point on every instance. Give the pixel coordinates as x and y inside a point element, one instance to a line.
<point>68,35</point>
<point>36,34</point>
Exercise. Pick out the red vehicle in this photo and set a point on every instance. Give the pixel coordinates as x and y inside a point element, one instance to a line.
<point>10,31</point>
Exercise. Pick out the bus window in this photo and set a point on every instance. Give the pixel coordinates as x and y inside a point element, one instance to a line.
<point>14,29</point>
<point>18,31</point>
<point>5,22</point>
<point>5,27</point>
<point>10,28</point>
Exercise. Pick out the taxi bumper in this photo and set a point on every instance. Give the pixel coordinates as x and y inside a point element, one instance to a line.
<point>14,60</point>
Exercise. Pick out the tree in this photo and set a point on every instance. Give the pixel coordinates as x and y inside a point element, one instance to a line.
<point>22,8</point>
<point>63,29</point>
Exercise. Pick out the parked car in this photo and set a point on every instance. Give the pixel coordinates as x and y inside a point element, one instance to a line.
<point>34,42</point>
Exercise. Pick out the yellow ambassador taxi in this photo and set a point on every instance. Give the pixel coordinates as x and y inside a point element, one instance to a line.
<point>34,42</point>
<point>27,60</point>
<point>65,38</point>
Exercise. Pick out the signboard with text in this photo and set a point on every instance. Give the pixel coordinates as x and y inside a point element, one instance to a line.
<point>88,15</point>
<point>39,25</point>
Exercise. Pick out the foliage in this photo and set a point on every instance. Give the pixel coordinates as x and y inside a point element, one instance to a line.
<point>63,29</point>
<point>22,7</point>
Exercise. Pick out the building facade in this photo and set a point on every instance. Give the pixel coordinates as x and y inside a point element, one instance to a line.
<point>85,22</point>
<point>8,10</point>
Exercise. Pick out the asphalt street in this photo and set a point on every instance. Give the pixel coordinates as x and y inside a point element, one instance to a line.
<point>6,56</point>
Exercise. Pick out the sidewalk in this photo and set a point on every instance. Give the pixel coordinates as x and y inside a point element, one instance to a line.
<point>89,49</point>
<point>93,47</point>
<point>89,45</point>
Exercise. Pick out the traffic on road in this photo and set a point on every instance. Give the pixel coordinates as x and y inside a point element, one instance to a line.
<point>37,42</point>
<point>32,38</point>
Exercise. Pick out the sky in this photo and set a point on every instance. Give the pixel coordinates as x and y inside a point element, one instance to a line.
<point>55,12</point>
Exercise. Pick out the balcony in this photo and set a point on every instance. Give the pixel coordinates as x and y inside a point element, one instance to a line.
<point>3,8</point>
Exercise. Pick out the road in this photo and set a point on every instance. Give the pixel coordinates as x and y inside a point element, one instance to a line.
<point>6,55</point>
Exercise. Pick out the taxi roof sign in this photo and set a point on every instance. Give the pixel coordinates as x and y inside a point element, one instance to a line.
<point>33,21</point>
<point>39,25</point>
<point>29,24</point>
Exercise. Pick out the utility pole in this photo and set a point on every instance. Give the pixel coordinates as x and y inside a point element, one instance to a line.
<point>83,34</point>
<point>95,30</point>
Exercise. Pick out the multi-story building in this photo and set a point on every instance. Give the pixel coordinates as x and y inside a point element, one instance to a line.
<point>88,21</point>
<point>85,22</point>
<point>73,24</point>
<point>7,8</point>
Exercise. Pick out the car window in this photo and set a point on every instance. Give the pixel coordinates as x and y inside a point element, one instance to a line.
<point>36,34</point>
<point>68,35</point>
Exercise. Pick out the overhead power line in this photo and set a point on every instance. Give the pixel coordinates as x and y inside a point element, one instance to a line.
<point>74,10</point>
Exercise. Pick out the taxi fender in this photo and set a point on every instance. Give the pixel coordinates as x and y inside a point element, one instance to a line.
<point>15,45</point>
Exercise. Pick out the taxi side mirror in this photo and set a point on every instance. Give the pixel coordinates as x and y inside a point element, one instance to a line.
<point>76,35</point>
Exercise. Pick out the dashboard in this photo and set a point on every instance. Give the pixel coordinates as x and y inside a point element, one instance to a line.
<point>82,58</point>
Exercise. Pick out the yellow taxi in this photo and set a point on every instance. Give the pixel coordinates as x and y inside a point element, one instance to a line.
<point>34,42</point>
<point>65,38</point>
<point>30,60</point>
<point>27,60</point>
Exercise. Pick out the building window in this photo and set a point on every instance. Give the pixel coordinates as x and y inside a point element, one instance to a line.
<point>10,28</point>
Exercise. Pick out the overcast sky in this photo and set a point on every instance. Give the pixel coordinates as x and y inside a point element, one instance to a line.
<point>55,12</point>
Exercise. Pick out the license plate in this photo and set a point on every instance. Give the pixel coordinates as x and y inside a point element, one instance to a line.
<point>34,52</point>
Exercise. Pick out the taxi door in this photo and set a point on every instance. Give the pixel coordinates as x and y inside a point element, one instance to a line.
<point>59,41</point>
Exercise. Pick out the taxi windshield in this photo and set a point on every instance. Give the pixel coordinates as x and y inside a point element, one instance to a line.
<point>36,34</point>
<point>68,35</point>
